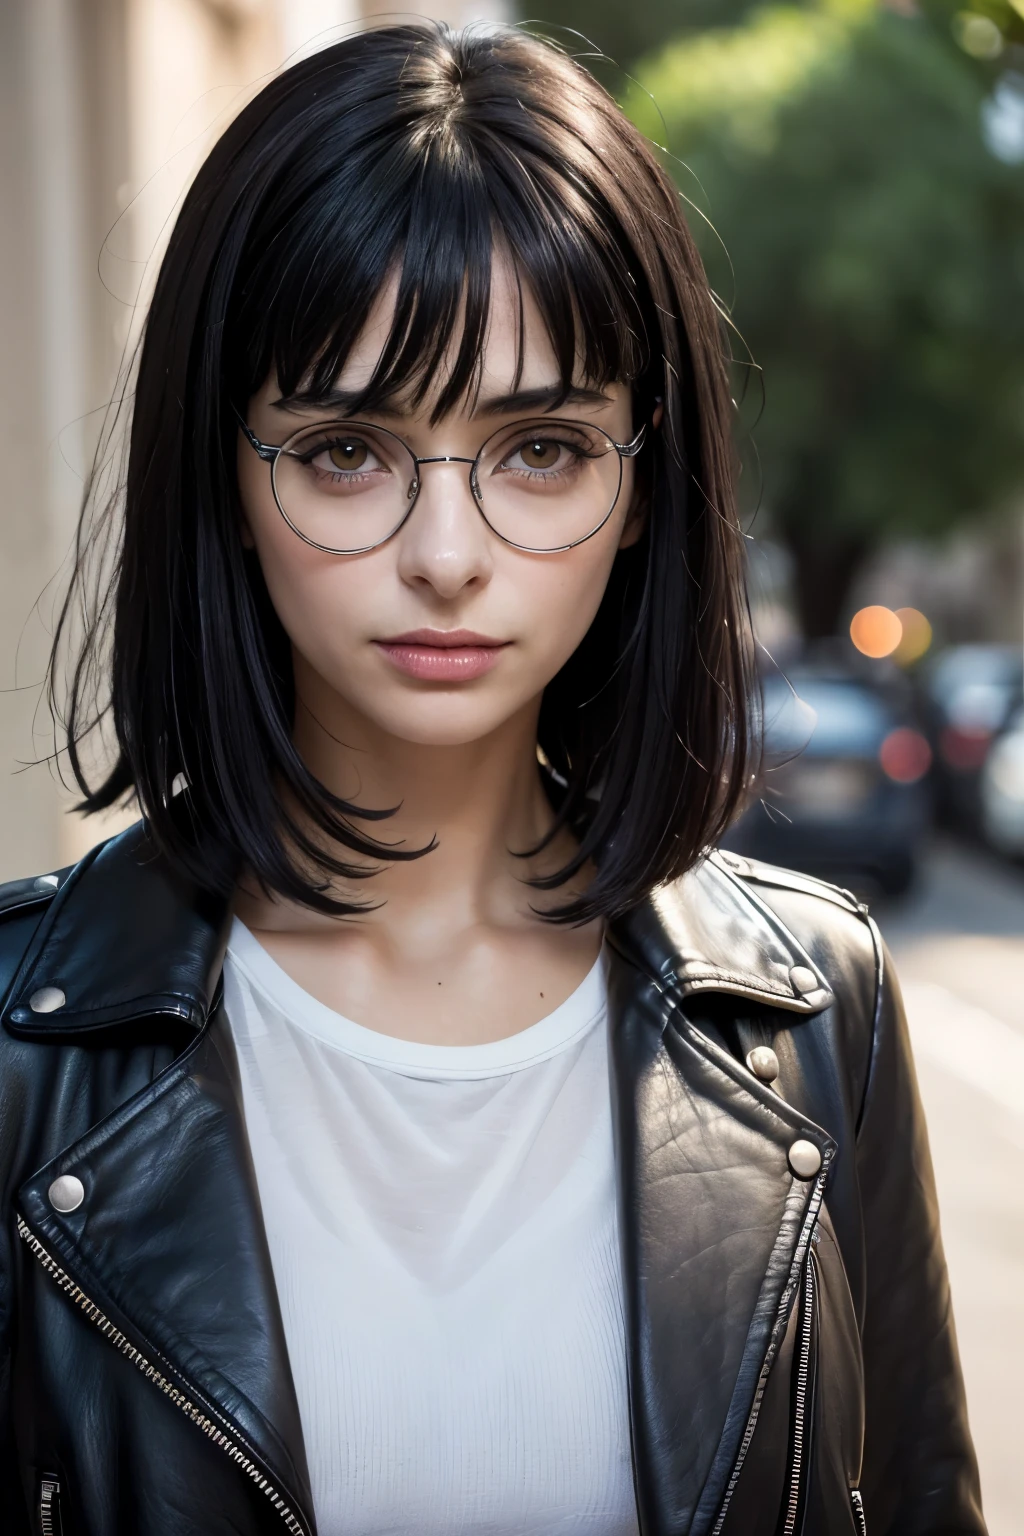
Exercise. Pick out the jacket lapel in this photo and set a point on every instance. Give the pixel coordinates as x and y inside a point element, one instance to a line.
<point>714,1224</point>
<point>168,1244</point>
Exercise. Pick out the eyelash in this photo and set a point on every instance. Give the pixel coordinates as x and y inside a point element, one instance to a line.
<point>577,452</point>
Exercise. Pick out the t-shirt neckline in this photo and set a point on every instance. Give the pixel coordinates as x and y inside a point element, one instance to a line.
<point>548,1037</point>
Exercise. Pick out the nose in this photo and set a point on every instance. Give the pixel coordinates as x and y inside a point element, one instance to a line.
<point>445,544</point>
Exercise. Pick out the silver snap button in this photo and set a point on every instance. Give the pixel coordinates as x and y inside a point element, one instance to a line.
<point>764,1063</point>
<point>819,999</point>
<point>66,1193</point>
<point>803,979</point>
<point>47,1000</point>
<point>804,1159</point>
<point>46,883</point>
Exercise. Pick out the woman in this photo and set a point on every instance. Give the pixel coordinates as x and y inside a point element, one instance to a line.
<point>410,1126</point>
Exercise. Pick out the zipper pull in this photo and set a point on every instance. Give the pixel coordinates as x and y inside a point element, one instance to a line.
<point>49,1505</point>
<point>857,1500</point>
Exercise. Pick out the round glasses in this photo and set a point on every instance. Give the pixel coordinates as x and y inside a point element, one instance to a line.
<point>542,486</point>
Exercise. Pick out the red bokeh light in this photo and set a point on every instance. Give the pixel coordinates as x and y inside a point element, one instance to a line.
<point>965,749</point>
<point>905,755</point>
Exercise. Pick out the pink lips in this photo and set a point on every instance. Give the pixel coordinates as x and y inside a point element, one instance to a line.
<point>443,655</point>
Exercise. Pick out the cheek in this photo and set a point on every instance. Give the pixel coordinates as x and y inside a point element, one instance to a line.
<point>563,592</point>
<point>318,598</point>
<point>560,596</point>
<point>324,604</point>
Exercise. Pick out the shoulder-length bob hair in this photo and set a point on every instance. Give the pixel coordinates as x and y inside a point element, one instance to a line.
<point>418,150</point>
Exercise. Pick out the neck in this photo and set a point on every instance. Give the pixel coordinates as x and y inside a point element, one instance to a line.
<point>481,802</point>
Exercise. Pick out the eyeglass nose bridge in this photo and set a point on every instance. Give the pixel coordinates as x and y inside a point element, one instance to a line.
<point>443,458</point>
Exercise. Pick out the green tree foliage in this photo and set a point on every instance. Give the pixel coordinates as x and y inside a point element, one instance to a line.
<point>870,248</point>
<point>626,32</point>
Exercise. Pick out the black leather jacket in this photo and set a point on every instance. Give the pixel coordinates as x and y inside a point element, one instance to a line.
<point>792,1363</point>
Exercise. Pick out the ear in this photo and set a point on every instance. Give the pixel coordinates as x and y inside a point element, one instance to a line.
<point>636,521</point>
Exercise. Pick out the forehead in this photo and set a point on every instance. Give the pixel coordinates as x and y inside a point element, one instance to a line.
<point>515,351</point>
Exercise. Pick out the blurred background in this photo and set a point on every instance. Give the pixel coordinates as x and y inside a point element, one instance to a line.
<point>854,171</point>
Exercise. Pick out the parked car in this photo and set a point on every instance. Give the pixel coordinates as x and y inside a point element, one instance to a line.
<point>1002,790</point>
<point>972,691</point>
<point>844,792</point>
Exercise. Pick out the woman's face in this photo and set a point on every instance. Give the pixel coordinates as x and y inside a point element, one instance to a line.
<point>371,633</point>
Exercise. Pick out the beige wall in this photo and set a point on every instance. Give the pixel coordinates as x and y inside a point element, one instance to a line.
<point>106,109</point>
<point>48,134</point>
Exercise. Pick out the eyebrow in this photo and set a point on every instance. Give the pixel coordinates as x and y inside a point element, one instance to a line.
<point>544,397</point>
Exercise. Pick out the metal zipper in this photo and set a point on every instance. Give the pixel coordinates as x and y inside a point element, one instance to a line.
<point>632,1455</point>
<point>857,1500</point>
<point>748,1433</point>
<point>125,1347</point>
<point>803,1381</point>
<point>49,1505</point>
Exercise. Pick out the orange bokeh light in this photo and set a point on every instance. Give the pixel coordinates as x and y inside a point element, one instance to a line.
<point>876,631</point>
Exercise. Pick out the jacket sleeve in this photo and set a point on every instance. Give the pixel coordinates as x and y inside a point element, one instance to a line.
<point>920,1476</point>
<point>16,930</point>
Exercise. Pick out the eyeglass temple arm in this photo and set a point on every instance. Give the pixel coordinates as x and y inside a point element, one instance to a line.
<point>631,449</point>
<point>267,451</point>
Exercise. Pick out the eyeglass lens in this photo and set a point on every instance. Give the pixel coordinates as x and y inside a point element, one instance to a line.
<point>541,485</point>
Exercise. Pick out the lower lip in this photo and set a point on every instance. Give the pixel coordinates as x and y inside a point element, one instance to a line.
<point>455,664</point>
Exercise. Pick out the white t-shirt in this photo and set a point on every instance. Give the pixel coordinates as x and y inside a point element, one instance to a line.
<point>443,1234</point>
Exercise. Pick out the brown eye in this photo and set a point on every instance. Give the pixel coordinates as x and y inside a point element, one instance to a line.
<point>541,453</point>
<point>350,454</point>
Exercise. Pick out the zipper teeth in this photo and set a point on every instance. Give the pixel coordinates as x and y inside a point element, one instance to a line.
<point>48,1493</point>
<point>800,1412</point>
<point>857,1500</point>
<point>748,1433</point>
<point>127,1348</point>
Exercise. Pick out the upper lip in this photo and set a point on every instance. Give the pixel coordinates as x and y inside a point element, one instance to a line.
<point>444,639</point>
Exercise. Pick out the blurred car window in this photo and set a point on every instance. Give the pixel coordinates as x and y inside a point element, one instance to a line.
<point>1002,790</point>
<point>827,716</point>
<point>964,664</point>
<point>844,790</point>
<point>975,684</point>
<point>972,690</point>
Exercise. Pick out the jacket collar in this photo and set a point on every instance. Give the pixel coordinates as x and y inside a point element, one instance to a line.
<point>123,939</point>
<point>709,932</point>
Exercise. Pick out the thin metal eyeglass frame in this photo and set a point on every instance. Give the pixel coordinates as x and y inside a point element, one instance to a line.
<point>270,453</point>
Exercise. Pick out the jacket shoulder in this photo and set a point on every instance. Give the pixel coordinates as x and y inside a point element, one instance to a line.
<point>32,891</point>
<point>830,924</point>
<point>772,876</point>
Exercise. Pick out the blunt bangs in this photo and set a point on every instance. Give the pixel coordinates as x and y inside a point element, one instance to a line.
<point>417,156</point>
<point>430,196</point>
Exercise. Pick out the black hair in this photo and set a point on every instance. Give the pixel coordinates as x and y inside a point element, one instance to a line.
<point>418,151</point>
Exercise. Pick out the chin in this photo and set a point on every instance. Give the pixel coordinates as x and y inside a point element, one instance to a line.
<point>440,719</point>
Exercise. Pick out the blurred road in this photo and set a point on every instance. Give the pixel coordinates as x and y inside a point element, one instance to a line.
<point>958,943</point>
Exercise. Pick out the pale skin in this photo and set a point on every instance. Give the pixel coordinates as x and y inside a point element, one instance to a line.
<point>452,953</point>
